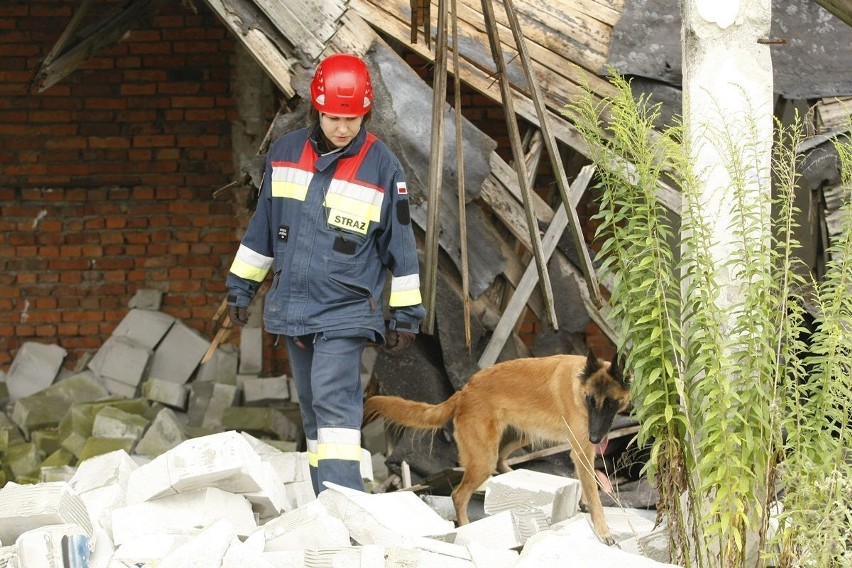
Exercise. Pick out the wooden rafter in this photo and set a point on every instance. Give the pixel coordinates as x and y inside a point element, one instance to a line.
<point>840,8</point>
<point>73,49</point>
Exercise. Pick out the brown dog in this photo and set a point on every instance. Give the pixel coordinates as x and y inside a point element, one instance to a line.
<point>529,400</point>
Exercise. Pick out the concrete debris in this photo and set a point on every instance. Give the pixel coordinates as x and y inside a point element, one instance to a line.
<point>146,457</point>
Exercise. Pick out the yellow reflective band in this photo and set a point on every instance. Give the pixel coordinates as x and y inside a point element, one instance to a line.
<point>332,451</point>
<point>355,207</point>
<point>312,452</point>
<point>405,291</point>
<point>405,298</point>
<point>289,189</point>
<point>313,459</point>
<point>290,182</point>
<point>251,265</point>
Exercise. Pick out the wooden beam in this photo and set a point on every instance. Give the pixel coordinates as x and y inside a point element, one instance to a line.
<point>530,278</point>
<point>107,30</point>
<point>840,8</point>
<point>264,49</point>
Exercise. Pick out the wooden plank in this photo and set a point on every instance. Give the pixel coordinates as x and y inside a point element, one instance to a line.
<point>267,54</point>
<point>507,99</point>
<point>840,8</point>
<point>436,172</point>
<point>522,293</point>
<point>296,28</point>
<point>555,159</point>
<point>106,31</point>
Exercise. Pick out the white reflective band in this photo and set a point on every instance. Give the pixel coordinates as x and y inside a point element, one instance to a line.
<point>357,200</point>
<point>250,264</point>
<point>290,182</point>
<point>339,436</point>
<point>405,283</point>
<point>405,291</point>
<point>339,444</point>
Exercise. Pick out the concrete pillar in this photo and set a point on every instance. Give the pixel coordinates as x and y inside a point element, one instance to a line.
<point>728,111</point>
<point>727,99</point>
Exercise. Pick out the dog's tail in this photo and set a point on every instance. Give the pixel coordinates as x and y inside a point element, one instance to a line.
<point>410,413</point>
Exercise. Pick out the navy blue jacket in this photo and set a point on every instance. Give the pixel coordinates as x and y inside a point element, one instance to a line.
<point>330,227</point>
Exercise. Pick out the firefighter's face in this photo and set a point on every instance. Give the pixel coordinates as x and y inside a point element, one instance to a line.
<point>340,130</point>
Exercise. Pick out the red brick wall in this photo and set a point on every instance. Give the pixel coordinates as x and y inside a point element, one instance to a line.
<point>106,178</point>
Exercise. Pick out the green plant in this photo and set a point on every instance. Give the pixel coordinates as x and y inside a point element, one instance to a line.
<point>718,386</point>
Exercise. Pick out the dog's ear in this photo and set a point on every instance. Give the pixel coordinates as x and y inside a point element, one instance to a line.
<point>616,371</point>
<point>592,365</point>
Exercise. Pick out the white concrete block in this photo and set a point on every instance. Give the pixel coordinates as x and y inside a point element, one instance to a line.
<point>310,526</point>
<point>27,507</point>
<point>122,360</point>
<point>183,513</point>
<point>146,299</point>
<point>299,493</point>
<point>145,327</point>
<point>263,391</point>
<point>251,350</point>
<point>34,368</point>
<point>623,524</point>
<point>118,388</point>
<point>526,489</point>
<point>271,500</point>
<point>148,549</point>
<point>208,401</point>
<point>288,465</point>
<point>285,558</point>
<point>654,544</point>
<point>245,555</point>
<point>389,519</point>
<point>550,548</point>
<point>221,367</point>
<point>49,546</point>
<point>204,550</point>
<point>498,531</point>
<point>112,422</point>
<point>164,433</point>
<point>178,354</point>
<point>483,557</point>
<point>225,460</point>
<point>171,394</point>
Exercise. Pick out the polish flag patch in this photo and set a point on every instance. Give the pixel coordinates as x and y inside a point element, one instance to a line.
<point>401,189</point>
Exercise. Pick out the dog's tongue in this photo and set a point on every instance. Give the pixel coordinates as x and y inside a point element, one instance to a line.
<point>600,447</point>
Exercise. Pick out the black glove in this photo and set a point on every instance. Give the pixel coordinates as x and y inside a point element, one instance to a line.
<point>239,316</point>
<point>397,340</point>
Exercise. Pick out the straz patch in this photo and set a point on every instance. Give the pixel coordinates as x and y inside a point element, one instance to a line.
<point>283,232</point>
<point>348,222</point>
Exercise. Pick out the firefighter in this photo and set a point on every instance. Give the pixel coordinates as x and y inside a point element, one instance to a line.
<point>332,223</point>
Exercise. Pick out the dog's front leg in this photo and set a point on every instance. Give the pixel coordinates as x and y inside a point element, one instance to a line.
<point>584,467</point>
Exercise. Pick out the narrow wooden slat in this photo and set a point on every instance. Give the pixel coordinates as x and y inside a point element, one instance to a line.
<point>555,159</point>
<point>520,164</point>
<point>436,169</point>
<point>108,30</point>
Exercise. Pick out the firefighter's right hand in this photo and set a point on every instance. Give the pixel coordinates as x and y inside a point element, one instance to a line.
<point>239,316</point>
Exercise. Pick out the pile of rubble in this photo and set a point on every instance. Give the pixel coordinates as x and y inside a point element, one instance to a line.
<point>147,456</point>
<point>230,499</point>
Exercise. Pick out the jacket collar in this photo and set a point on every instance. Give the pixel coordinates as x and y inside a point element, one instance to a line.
<point>325,160</point>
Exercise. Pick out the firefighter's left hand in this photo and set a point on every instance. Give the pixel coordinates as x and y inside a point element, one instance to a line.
<point>397,340</point>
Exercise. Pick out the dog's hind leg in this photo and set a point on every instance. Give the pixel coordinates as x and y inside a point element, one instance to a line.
<point>478,442</point>
<point>584,467</point>
<point>512,443</point>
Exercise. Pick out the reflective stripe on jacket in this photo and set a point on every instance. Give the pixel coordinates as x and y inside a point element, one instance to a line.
<point>330,227</point>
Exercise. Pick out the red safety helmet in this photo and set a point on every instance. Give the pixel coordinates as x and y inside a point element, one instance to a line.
<point>341,86</point>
